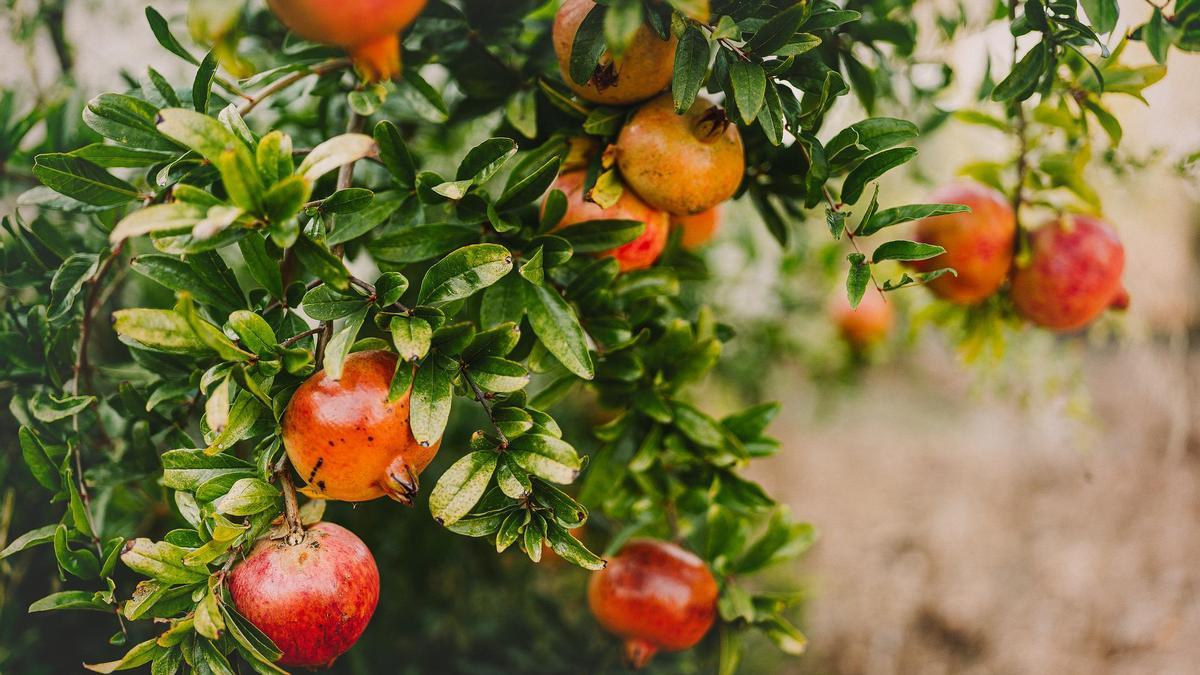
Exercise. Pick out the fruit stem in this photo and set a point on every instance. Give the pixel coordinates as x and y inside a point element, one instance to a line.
<point>291,507</point>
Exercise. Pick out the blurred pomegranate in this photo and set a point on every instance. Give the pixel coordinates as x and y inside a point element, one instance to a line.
<point>368,29</point>
<point>979,244</point>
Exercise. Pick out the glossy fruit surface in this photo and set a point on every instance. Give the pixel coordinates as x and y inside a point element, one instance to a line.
<point>655,595</point>
<point>697,229</point>
<point>1073,274</point>
<point>347,441</point>
<point>313,599</point>
<point>868,324</point>
<point>682,164</point>
<point>368,29</point>
<point>635,255</point>
<point>643,70</point>
<point>979,244</point>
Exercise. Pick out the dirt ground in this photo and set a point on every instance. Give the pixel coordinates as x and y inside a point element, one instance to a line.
<point>992,537</point>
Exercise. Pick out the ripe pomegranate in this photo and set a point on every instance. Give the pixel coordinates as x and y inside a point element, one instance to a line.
<point>866,325</point>
<point>1073,275</point>
<point>697,229</point>
<point>643,70</point>
<point>655,595</point>
<point>313,599</point>
<point>635,255</point>
<point>979,244</point>
<point>347,441</point>
<point>685,163</point>
<point>368,29</point>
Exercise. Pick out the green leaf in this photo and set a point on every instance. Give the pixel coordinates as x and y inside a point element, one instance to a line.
<point>431,400</point>
<point>81,563</point>
<point>872,168</point>
<point>335,152</point>
<point>347,200</point>
<point>214,338</point>
<point>157,218</point>
<point>570,549</point>
<point>80,179</point>
<point>484,160</point>
<point>285,198</point>
<point>247,497</point>
<point>461,486</point>
<point>867,137</point>
<point>698,426</point>
<point>323,303</point>
<point>499,375</point>
<point>244,412</point>
<point>558,329</point>
<point>777,31</point>
<point>412,336</point>
<point>588,46</point>
<point>339,345</point>
<point>162,561</point>
<point>424,99</point>
<point>1102,14</point>
<point>831,19</point>
<point>177,275</point>
<point>905,250</point>
<point>253,331</point>
<point>529,187</point>
<point>319,260</point>
<point>546,457</point>
<point>512,479</point>
<point>158,329</point>
<point>786,637</point>
<point>142,653</point>
<point>162,32</point>
<point>202,84</point>
<point>186,470</point>
<point>691,67</point>
<point>857,279</point>
<point>904,214</point>
<point>749,84</point>
<point>836,220</point>
<point>69,600</point>
<point>1154,34</point>
<point>127,120</point>
<point>595,236</point>
<point>35,537</point>
<point>463,272</point>
<point>394,154</point>
<point>422,242</point>
<point>1020,84</point>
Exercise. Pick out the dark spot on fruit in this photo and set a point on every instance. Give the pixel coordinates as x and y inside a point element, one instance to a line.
<point>316,467</point>
<point>331,444</point>
<point>370,439</point>
<point>321,485</point>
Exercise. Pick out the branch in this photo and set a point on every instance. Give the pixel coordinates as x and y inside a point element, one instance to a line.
<point>483,401</point>
<point>252,100</point>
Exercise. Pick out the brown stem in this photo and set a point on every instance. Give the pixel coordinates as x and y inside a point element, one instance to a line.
<point>345,178</point>
<point>291,507</point>
<point>252,100</point>
<point>483,401</point>
<point>296,338</point>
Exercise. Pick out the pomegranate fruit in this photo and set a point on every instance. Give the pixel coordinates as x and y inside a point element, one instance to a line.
<point>367,29</point>
<point>643,70</point>
<point>347,441</point>
<point>635,255</point>
<point>697,229</point>
<point>681,164</point>
<point>1073,275</point>
<point>979,243</point>
<point>313,599</point>
<point>868,324</point>
<point>655,595</point>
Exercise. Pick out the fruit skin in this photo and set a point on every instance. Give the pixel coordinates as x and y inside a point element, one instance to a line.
<point>642,71</point>
<point>368,29</point>
<point>347,442</point>
<point>697,229</point>
<point>313,599</point>
<point>979,244</point>
<point>1073,275</point>
<point>869,324</point>
<point>655,595</point>
<point>682,164</point>
<point>635,255</point>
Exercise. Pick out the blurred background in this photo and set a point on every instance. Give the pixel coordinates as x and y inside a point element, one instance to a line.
<point>1031,512</point>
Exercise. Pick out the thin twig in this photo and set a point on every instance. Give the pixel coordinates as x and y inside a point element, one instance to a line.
<point>1018,109</point>
<point>296,338</point>
<point>483,401</point>
<point>252,100</point>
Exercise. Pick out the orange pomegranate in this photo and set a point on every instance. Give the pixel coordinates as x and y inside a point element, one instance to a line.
<point>635,255</point>
<point>347,441</point>
<point>979,243</point>
<point>697,229</point>
<point>1073,274</point>
<point>643,70</point>
<point>367,29</point>
<point>868,324</point>
<point>656,596</point>
<point>682,164</point>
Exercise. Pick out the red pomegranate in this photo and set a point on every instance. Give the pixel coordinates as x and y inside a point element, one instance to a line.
<point>655,595</point>
<point>1073,275</point>
<point>635,255</point>
<point>313,599</point>
<point>979,243</point>
<point>697,229</point>
<point>868,324</point>
<point>368,29</point>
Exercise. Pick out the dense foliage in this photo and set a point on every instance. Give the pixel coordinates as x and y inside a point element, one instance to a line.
<point>275,214</point>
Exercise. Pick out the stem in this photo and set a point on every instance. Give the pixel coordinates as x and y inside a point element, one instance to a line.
<point>291,507</point>
<point>1018,113</point>
<point>296,338</point>
<point>252,100</point>
<point>483,401</point>
<point>344,180</point>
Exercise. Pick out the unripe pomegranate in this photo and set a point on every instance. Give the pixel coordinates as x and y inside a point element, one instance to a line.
<point>643,70</point>
<point>1073,275</point>
<point>347,441</point>
<point>685,163</point>
<point>979,244</point>
<point>313,599</point>
<point>697,229</point>
<point>368,29</point>
<point>868,324</point>
<point>655,595</point>
<point>635,255</point>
